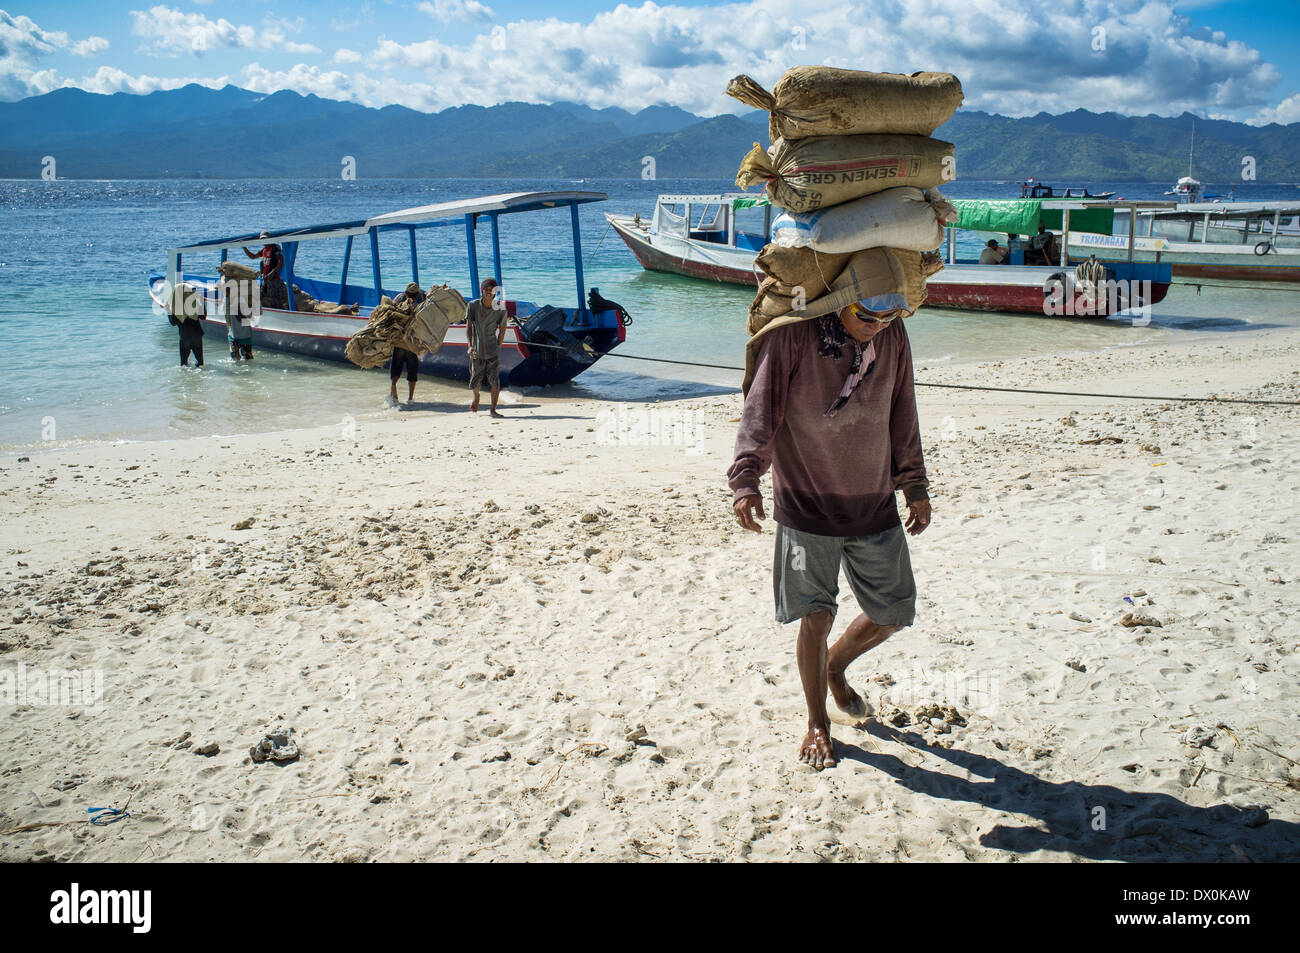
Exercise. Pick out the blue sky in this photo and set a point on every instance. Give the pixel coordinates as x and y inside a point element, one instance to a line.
<point>1224,58</point>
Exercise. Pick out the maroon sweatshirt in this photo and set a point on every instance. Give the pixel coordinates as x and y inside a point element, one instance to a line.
<point>833,476</point>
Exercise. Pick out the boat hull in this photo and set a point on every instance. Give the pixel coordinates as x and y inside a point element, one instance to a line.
<point>1024,289</point>
<point>1001,288</point>
<point>693,259</point>
<point>1198,259</point>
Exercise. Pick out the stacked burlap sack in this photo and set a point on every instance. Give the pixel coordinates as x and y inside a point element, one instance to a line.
<point>854,168</point>
<point>416,328</point>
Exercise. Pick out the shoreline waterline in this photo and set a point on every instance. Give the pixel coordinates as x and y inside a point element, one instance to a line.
<point>84,359</point>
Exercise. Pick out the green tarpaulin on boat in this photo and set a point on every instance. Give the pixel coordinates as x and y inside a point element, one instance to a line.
<point>1023,216</point>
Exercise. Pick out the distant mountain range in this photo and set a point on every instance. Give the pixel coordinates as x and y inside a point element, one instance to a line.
<point>197,132</point>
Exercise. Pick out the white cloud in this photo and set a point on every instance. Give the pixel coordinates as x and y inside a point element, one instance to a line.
<point>1285,112</point>
<point>89,46</point>
<point>450,11</point>
<point>171,31</point>
<point>109,79</point>
<point>23,48</point>
<point>1015,57</point>
<point>336,84</point>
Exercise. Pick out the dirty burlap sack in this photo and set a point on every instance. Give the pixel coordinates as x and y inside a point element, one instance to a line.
<point>443,307</point>
<point>888,279</point>
<point>812,270</point>
<point>305,302</point>
<point>233,269</point>
<point>803,175</point>
<point>825,101</point>
<point>418,330</point>
<point>385,329</point>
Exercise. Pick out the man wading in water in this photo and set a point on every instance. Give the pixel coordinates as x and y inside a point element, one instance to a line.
<point>832,410</point>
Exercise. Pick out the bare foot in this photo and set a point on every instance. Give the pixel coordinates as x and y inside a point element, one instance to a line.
<point>817,749</point>
<point>853,708</point>
<point>495,414</point>
<point>473,408</point>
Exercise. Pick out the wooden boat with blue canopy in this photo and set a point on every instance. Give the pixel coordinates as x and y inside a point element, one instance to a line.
<point>543,344</point>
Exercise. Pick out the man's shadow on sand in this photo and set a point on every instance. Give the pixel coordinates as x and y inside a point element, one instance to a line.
<point>446,407</point>
<point>1139,826</point>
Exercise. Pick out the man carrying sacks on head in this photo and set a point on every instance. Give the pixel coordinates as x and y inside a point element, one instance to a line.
<point>832,410</point>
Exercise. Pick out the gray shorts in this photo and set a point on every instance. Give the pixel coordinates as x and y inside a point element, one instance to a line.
<point>806,574</point>
<point>485,372</point>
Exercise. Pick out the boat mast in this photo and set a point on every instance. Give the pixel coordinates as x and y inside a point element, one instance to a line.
<point>1191,149</point>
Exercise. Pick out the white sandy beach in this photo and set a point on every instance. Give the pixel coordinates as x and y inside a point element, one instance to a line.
<point>465,620</point>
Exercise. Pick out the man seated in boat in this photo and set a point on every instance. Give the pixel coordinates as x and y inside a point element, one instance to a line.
<point>485,327</point>
<point>403,359</point>
<point>832,411</point>
<point>1042,248</point>
<point>993,253</point>
<point>274,292</point>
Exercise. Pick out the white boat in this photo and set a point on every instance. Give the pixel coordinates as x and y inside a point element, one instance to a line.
<point>1232,241</point>
<point>700,236</point>
<point>1187,190</point>
<point>543,344</point>
<point>716,237</point>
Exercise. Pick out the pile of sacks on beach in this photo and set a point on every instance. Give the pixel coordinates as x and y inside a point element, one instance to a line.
<point>419,329</point>
<point>301,300</point>
<point>853,168</point>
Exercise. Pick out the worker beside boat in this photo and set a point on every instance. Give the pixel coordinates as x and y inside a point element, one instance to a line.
<point>274,292</point>
<point>485,325</point>
<point>236,295</point>
<point>188,308</point>
<point>403,359</point>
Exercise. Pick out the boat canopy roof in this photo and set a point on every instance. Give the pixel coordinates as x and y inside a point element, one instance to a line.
<point>1198,210</point>
<point>1023,216</point>
<point>736,200</point>
<point>421,216</point>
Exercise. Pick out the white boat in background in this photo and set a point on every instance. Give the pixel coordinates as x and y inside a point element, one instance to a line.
<point>1231,241</point>
<point>700,236</point>
<point>1189,189</point>
<point>717,237</point>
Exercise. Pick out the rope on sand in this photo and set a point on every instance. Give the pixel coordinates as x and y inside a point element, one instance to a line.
<point>1237,285</point>
<point>1006,390</point>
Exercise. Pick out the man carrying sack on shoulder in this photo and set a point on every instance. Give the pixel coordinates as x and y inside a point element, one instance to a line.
<point>187,311</point>
<point>832,411</point>
<point>402,359</point>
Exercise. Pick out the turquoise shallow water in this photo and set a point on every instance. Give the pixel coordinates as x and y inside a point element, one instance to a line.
<point>84,358</point>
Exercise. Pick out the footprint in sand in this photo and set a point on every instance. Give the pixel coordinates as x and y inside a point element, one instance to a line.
<point>858,716</point>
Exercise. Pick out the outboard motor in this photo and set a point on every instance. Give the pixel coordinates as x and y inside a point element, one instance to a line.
<point>546,327</point>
